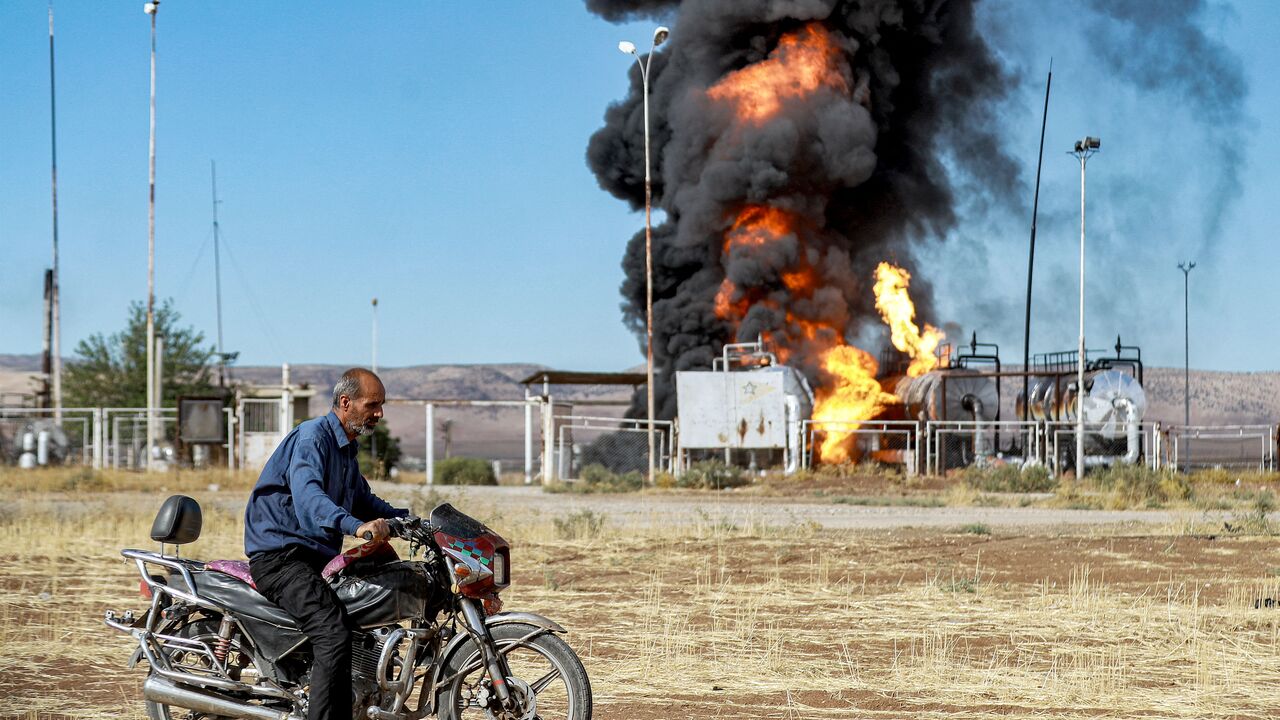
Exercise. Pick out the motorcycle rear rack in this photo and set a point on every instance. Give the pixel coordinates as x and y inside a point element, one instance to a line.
<point>144,558</point>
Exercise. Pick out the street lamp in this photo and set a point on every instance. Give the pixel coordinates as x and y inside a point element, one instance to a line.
<point>1084,149</point>
<point>150,9</point>
<point>629,48</point>
<point>1186,267</point>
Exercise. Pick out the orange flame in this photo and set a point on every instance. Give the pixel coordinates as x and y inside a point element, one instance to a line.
<point>899,313</point>
<point>854,396</point>
<point>804,61</point>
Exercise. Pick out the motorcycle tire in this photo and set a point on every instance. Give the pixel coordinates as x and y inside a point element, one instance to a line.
<point>545,664</point>
<point>203,630</point>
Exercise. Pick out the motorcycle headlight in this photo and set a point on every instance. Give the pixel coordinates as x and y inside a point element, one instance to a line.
<point>500,571</point>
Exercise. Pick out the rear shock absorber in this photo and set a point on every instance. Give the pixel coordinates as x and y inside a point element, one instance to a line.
<point>223,645</point>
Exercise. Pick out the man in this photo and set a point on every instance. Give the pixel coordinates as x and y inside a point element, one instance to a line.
<point>310,495</point>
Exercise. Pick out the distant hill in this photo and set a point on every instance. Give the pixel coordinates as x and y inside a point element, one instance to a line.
<point>1216,398</point>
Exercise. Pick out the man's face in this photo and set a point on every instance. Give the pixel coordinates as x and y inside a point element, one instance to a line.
<point>361,414</point>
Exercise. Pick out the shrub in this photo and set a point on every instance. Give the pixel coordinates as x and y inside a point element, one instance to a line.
<point>583,525</point>
<point>712,475</point>
<point>1009,478</point>
<point>597,478</point>
<point>465,471</point>
<point>601,479</point>
<point>1139,486</point>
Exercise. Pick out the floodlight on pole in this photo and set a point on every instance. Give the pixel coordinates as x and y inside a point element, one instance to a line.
<point>150,9</point>
<point>659,36</point>
<point>1084,149</point>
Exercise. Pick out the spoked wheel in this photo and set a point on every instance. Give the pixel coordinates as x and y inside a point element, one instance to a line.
<point>547,678</point>
<point>239,665</point>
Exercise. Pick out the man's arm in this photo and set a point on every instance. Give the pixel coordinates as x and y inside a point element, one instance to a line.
<point>306,484</point>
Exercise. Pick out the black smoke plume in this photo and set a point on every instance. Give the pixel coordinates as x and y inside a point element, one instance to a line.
<point>861,167</point>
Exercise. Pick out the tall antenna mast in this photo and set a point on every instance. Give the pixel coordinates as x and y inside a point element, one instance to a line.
<point>217,279</point>
<point>150,8</point>
<point>54,299</point>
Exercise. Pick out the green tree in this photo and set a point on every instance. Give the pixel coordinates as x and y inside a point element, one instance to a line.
<point>111,371</point>
<point>388,453</point>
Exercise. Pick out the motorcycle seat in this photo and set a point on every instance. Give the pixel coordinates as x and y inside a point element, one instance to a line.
<point>231,592</point>
<point>234,568</point>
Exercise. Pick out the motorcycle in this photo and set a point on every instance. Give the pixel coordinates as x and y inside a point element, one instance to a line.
<point>430,635</point>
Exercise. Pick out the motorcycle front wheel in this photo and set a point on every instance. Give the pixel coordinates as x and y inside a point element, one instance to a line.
<point>547,679</point>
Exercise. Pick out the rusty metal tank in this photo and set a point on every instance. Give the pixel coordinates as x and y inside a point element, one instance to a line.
<point>949,395</point>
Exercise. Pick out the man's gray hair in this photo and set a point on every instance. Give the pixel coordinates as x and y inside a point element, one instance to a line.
<point>348,384</point>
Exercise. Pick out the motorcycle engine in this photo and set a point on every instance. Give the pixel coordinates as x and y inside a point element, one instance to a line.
<point>365,650</point>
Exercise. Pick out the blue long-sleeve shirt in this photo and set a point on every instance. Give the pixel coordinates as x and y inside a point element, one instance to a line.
<point>311,492</point>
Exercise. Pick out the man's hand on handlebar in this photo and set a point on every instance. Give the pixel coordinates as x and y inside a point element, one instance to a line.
<point>374,530</point>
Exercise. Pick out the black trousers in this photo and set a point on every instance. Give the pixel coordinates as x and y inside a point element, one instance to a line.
<point>291,579</point>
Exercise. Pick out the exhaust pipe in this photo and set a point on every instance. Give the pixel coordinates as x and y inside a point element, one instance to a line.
<point>159,690</point>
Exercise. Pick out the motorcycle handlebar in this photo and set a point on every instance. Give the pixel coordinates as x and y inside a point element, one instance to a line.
<point>404,528</point>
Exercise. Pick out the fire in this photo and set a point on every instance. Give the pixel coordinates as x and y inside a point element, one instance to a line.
<point>854,395</point>
<point>803,62</point>
<point>899,313</point>
<point>757,225</point>
<point>807,61</point>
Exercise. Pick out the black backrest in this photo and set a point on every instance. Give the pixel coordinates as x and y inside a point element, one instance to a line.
<point>178,521</point>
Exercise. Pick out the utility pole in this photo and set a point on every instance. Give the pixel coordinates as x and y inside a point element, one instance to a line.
<point>55,300</point>
<point>1031,257</point>
<point>217,279</point>
<point>151,8</point>
<point>373,361</point>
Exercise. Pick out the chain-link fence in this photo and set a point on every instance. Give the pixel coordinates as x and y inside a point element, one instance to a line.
<point>958,444</point>
<point>34,437</point>
<point>888,442</point>
<point>125,431</point>
<point>1104,444</point>
<point>1226,446</point>
<point>619,445</point>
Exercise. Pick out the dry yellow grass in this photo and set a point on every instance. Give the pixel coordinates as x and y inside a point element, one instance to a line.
<point>751,620</point>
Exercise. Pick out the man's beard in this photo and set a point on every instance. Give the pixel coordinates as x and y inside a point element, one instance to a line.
<point>360,429</point>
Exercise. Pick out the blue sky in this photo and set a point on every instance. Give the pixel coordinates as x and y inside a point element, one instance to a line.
<point>431,154</point>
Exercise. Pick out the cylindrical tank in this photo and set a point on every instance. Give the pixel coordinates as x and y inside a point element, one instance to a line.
<point>1115,400</point>
<point>949,395</point>
<point>1043,403</point>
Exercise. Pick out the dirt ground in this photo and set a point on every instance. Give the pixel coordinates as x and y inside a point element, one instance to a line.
<point>733,605</point>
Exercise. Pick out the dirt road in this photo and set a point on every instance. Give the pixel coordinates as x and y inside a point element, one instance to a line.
<point>647,510</point>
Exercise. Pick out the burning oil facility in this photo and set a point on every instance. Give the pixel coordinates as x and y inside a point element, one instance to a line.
<point>799,161</point>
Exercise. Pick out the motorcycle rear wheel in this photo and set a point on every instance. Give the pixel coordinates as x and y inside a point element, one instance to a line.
<point>546,665</point>
<point>205,631</point>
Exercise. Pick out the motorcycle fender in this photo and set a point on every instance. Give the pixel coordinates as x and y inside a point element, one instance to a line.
<point>511,618</point>
<point>503,618</point>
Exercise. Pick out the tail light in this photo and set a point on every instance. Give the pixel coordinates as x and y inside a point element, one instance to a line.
<point>145,589</point>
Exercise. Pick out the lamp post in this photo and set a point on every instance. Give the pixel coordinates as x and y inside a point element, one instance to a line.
<point>1186,267</point>
<point>150,8</point>
<point>629,48</point>
<point>1084,149</point>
